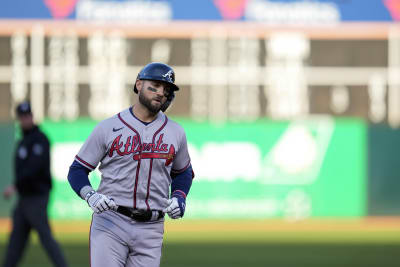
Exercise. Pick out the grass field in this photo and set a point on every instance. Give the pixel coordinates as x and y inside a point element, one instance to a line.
<point>341,243</point>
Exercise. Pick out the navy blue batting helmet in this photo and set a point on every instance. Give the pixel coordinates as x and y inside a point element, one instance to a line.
<point>157,72</point>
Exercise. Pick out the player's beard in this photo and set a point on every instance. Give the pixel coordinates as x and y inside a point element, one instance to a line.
<point>147,103</point>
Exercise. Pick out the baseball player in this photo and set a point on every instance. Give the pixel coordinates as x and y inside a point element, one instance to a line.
<point>142,155</point>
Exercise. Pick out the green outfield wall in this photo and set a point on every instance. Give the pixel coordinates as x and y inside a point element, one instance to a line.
<point>383,170</point>
<point>263,169</point>
<point>7,143</point>
<point>267,169</point>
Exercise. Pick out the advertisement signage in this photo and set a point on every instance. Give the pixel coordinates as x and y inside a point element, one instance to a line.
<point>266,11</point>
<point>314,167</point>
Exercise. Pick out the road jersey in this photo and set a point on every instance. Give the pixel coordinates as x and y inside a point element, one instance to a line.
<point>136,159</point>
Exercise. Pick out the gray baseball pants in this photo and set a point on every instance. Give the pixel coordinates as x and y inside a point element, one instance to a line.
<point>118,241</point>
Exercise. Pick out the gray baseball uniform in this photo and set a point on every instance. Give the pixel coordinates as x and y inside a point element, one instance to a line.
<point>136,160</point>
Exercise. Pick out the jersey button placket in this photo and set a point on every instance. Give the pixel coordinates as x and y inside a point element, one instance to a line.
<point>147,135</point>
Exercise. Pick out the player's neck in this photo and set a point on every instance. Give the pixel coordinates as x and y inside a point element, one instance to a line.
<point>142,113</point>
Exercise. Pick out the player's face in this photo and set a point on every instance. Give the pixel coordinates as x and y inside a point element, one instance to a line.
<point>153,94</point>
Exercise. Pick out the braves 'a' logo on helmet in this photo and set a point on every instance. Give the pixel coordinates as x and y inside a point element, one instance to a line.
<point>169,75</point>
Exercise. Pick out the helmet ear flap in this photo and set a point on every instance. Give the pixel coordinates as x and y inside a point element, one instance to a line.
<point>167,103</point>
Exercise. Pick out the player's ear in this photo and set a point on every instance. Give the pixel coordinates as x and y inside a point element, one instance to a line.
<point>139,84</point>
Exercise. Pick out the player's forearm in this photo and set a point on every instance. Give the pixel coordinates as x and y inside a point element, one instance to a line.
<point>183,181</point>
<point>78,178</point>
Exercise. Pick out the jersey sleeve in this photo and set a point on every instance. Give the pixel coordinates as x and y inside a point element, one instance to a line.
<point>94,148</point>
<point>182,158</point>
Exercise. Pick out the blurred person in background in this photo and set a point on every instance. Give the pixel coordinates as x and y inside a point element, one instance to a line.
<point>33,185</point>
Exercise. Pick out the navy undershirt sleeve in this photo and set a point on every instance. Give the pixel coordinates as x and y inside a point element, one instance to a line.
<point>182,181</point>
<point>78,177</point>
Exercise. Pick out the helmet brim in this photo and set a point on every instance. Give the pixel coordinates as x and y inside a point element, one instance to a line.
<point>173,86</point>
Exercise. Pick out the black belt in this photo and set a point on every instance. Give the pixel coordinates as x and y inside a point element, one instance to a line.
<point>141,215</point>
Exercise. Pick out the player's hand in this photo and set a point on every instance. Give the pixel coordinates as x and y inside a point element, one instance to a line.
<point>99,202</point>
<point>9,191</point>
<point>176,206</point>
